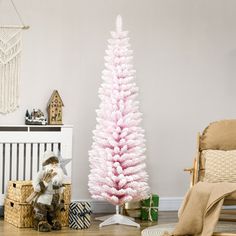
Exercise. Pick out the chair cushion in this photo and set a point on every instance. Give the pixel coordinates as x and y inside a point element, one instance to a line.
<point>220,135</point>
<point>219,166</point>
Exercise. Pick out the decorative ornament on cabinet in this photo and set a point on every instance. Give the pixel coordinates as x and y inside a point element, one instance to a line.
<point>36,117</point>
<point>54,109</point>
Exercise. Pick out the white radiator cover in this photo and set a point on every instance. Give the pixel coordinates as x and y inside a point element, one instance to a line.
<point>22,147</point>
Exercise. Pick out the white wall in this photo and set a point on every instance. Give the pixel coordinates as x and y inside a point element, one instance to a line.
<point>185,57</point>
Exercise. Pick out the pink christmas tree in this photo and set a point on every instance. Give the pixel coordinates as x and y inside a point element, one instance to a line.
<point>118,152</point>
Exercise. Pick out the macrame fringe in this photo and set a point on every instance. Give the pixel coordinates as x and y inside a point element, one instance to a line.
<point>10,57</point>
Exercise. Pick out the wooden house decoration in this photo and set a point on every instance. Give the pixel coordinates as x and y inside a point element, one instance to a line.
<point>54,109</point>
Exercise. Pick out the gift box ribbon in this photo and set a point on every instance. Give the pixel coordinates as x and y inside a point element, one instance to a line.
<point>82,214</point>
<point>150,208</point>
<point>149,211</point>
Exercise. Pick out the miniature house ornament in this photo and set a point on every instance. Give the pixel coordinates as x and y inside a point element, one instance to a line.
<point>36,117</point>
<point>54,109</point>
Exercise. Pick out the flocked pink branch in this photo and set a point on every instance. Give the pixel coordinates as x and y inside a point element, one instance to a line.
<point>117,155</point>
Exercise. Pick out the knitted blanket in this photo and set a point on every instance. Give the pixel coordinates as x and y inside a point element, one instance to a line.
<point>201,207</point>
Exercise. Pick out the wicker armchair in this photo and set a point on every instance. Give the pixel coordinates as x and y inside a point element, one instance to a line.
<point>215,160</point>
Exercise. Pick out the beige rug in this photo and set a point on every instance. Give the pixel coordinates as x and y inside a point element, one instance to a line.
<point>158,230</point>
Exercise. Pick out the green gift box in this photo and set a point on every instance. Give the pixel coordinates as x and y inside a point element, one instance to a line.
<point>149,208</point>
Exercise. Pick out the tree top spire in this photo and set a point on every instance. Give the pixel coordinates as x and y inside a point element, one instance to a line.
<point>119,23</point>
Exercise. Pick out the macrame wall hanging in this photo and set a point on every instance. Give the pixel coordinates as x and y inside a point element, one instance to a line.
<point>10,55</point>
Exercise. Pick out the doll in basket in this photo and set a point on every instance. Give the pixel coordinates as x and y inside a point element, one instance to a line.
<point>48,196</point>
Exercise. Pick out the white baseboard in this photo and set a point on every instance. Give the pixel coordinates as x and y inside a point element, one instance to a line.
<point>170,203</point>
<point>166,204</point>
<point>98,206</point>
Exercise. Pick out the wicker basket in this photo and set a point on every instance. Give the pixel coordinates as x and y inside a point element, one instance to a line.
<point>19,191</point>
<point>18,214</point>
<point>21,214</point>
<point>63,216</point>
<point>67,193</point>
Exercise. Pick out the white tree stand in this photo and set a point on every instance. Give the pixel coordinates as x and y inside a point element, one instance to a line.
<point>117,219</point>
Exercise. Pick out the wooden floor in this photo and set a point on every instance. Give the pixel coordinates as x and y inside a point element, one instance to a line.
<point>7,229</point>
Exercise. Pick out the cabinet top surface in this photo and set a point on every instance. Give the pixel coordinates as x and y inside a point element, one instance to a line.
<point>62,126</point>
